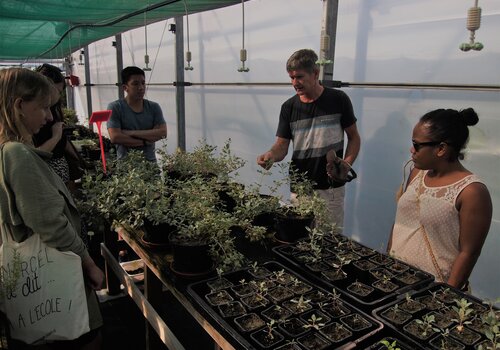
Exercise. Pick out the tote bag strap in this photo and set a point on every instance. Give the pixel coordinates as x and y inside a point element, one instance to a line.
<point>6,236</point>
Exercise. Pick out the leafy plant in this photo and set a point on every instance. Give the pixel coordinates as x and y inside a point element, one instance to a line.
<point>314,322</point>
<point>463,311</point>
<point>385,279</point>
<point>335,297</point>
<point>302,304</point>
<point>136,190</point>
<point>426,324</point>
<point>444,342</point>
<point>194,212</point>
<point>131,192</point>
<point>269,329</point>
<point>70,117</point>
<point>203,160</point>
<point>491,324</point>
<point>308,204</point>
<point>261,290</point>
<point>409,299</point>
<point>390,345</point>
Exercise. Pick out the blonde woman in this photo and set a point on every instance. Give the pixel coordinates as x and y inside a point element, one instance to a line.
<point>33,199</point>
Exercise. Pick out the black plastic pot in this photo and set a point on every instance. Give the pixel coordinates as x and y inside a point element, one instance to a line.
<point>291,228</point>
<point>228,203</point>
<point>190,258</point>
<point>267,339</point>
<point>254,251</point>
<point>91,152</point>
<point>266,220</point>
<point>379,341</point>
<point>157,234</point>
<point>232,309</point>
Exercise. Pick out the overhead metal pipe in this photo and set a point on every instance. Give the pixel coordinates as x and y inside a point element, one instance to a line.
<point>340,84</point>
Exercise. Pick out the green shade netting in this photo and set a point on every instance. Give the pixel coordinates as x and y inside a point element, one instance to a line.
<point>52,29</point>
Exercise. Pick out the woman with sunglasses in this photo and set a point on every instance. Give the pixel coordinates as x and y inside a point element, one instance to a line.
<point>444,214</point>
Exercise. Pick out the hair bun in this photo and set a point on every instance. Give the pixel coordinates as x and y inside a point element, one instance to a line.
<point>469,116</point>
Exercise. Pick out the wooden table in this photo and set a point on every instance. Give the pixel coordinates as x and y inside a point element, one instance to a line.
<point>156,278</point>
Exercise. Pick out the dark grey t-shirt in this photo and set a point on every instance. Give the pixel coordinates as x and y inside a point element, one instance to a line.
<point>315,128</point>
<point>123,117</point>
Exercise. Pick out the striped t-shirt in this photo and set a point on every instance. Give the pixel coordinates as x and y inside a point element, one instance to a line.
<point>315,128</point>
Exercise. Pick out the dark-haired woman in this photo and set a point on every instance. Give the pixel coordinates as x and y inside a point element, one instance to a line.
<point>444,214</point>
<point>51,137</point>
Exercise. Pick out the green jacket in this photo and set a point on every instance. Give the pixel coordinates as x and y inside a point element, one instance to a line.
<point>34,199</point>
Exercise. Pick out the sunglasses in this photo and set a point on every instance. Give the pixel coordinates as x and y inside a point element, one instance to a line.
<point>418,145</point>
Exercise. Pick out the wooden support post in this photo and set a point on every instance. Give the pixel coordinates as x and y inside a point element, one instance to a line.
<point>152,292</point>
<point>111,242</point>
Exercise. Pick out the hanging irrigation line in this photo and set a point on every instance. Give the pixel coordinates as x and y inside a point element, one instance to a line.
<point>188,52</point>
<point>146,56</point>
<point>158,50</point>
<point>243,51</point>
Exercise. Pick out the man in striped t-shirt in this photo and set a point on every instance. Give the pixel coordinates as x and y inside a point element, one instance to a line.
<point>316,119</point>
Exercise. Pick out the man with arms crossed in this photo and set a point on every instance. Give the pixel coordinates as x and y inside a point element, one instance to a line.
<point>135,122</point>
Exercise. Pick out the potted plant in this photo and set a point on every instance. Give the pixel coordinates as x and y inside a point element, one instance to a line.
<point>203,161</point>
<point>204,232</point>
<point>189,210</point>
<point>132,193</point>
<point>290,222</point>
<point>267,337</point>
<point>294,221</point>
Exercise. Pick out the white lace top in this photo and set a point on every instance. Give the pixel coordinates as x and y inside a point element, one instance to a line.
<point>440,218</point>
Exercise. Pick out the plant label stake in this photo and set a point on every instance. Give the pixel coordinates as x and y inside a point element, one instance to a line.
<point>98,117</point>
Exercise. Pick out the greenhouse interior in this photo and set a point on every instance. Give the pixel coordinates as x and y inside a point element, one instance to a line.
<point>232,91</point>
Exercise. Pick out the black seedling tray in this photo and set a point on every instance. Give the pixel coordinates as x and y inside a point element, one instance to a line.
<point>440,301</point>
<point>362,266</point>
<point>292,287</point>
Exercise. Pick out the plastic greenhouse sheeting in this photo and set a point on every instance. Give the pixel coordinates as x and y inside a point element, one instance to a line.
<point>32,29</point>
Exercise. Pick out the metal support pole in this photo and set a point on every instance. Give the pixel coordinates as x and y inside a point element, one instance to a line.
<point>119,64</point>
<point>179,78</point>
<point>70,97</point>
<point>88,83</point>
<point>328,37</point>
